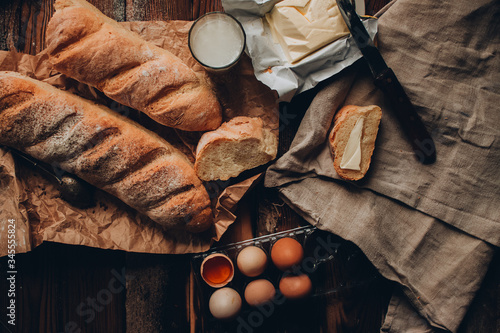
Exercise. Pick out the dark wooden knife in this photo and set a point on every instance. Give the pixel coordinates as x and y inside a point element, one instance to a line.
<point>386,80</point>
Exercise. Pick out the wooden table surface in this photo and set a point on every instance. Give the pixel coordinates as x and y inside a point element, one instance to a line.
<point>59,288</point>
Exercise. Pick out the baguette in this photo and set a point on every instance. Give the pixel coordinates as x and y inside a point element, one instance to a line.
<point>237,145</point>
<point>352,166</point>
<point>92,48</point>
<point>103,148</point>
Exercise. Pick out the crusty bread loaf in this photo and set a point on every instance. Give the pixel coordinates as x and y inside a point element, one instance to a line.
<point>103,148</point>
<point>237,145</point>
<point>92,48</point>
<point>344,122</point>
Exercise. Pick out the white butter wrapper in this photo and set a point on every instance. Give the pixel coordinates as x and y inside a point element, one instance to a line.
<point>270,64</point>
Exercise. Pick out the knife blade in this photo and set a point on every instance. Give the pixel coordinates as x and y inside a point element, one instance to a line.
<point>384,78</point>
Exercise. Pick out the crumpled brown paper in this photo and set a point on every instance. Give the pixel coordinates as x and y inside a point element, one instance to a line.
<point>31,201</point>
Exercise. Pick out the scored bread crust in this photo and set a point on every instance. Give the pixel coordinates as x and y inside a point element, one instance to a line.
<point>103,148</point>
<point>237,145</point>
<point>344,121</point>
<point>92,48</point>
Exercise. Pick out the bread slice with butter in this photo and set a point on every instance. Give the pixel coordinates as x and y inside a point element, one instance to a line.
<point>352,139</point>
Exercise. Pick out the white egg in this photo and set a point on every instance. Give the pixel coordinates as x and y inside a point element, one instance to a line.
<point>252,261</point>
<point>225,303</point>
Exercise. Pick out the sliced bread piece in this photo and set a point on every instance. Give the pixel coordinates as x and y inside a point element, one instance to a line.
<point>237,145</point>
<point>352,139</point>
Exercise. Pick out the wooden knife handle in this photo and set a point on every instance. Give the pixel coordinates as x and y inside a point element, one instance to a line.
<point>414,128</point>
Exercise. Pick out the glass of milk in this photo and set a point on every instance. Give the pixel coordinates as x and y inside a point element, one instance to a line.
<point>217,41</point>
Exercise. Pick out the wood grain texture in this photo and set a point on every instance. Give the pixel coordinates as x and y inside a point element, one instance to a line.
<point>156,294</point>
<point>62,288</point>
<point>25,23</point>
<point>54,280</point>
<point>151,10</point>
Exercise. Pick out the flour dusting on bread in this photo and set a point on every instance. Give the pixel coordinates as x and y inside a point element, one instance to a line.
<point>92,48</point>
<point>103,148</point>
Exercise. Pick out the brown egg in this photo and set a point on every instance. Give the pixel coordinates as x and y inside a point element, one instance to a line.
<point>252,261</point>
<point>286,253</point>
<point>259,292</point>
<point>295,286</point>
<point>217,270</point>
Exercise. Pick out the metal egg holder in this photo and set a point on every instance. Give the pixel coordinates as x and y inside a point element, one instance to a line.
<point>323,252</point>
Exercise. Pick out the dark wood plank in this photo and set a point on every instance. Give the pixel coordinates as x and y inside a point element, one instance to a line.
<point>150,10</point>
<point>24,23</point>
<point>156,293</point>
<point>112,8</point>
<point>60,288</point>
<point>63,288</point>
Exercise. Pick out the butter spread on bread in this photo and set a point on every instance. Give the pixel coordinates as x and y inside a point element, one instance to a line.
<point>352,139</point>
<point>105,149</point>
<point>92,48</point>
<point>351,159</point>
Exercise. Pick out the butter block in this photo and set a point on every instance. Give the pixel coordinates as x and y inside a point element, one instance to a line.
<point>302,27</point>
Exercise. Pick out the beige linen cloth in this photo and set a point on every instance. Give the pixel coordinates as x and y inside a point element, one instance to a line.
<point>431,228</point>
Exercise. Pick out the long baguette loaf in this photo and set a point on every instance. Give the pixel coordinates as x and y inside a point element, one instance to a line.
<point>103,148</point>
<point>92,48</point>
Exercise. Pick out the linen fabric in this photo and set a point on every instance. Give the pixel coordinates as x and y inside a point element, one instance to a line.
<point>432,228</point>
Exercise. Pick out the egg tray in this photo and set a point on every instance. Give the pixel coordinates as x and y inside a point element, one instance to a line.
<point>337,268</point>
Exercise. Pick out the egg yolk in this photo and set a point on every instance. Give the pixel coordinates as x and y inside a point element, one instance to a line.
<point>217,270</point>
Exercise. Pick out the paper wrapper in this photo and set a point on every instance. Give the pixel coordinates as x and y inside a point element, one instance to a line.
<point>270,62</point>
<point>33,209</point>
